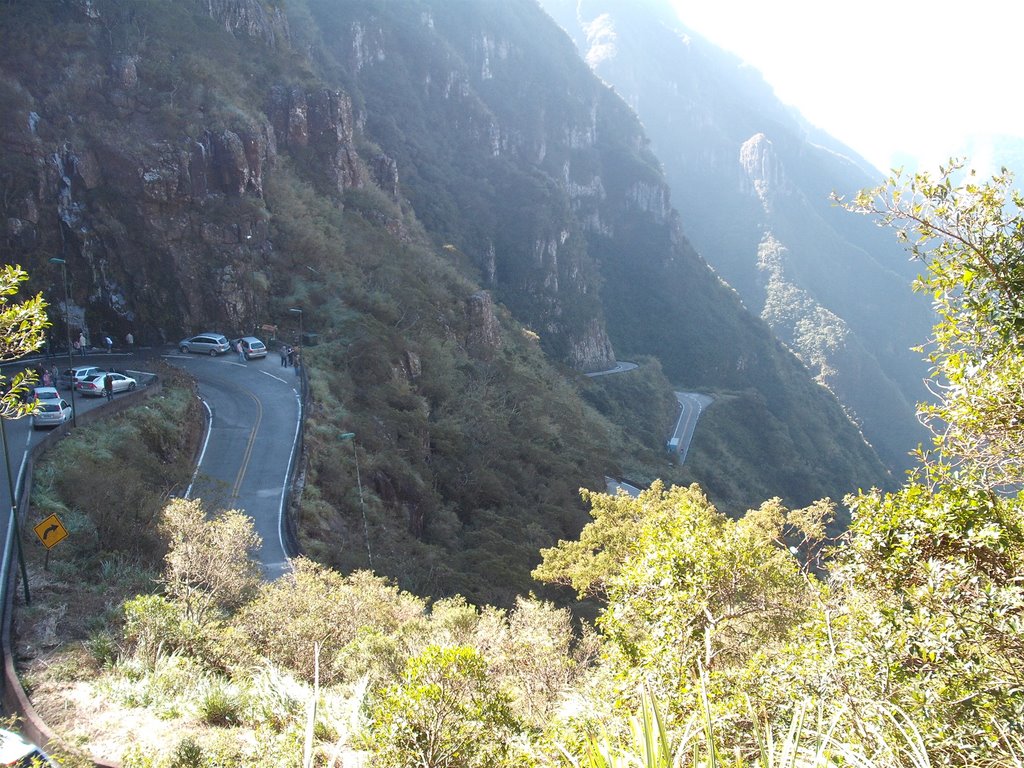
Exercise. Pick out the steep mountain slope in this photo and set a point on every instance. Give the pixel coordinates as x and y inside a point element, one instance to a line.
<point>376,164</point>
<point>752,183</point>
<point>548,186</point>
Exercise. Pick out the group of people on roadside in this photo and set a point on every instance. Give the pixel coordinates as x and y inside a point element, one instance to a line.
<point>81,344</point>
<point>289,356</point>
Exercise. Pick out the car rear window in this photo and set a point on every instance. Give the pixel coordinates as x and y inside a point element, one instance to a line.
<point>48,407</point>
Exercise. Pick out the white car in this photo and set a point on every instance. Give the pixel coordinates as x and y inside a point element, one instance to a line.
<point>50,413</point>
<point>46,393</point>
<point>252,347</point>
<point>96,385</point>
<point>17,751</point>
<point>78,374</point>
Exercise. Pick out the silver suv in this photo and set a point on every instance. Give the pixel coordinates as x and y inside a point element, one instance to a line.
<point>211,343</point>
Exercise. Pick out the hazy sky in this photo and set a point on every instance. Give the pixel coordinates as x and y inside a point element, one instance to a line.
<point>891,78</point>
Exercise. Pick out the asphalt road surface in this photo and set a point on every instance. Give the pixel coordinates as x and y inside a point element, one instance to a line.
<point>620,367</point>
<point>692,405</point>
<point>20,435</point>
<point>254,410</point>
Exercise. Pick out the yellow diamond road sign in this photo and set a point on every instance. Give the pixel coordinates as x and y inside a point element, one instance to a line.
<point>51,531</point>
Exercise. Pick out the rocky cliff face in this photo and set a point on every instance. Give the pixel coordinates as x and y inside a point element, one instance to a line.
<point>193,262</point>
<point>321,121</point>
<point>747,176</point>
<point>483,337</point>
<point>201,267</point>
<point>165,233</point>
<point>192,167</point>
<point>763,173</point>
<point>495,156</point>
<point>542,176</point>
<point>251,19</point>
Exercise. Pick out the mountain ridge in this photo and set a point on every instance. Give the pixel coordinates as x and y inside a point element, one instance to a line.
<point>749,172</point>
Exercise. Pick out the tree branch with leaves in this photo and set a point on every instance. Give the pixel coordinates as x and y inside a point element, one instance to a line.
<point>22,331</point>
<point>969,235</point>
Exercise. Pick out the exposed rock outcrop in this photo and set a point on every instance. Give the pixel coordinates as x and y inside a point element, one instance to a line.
<point>252,19</point>
<point>483,337</point>
<point>385,174</point>
<point>592,351</point>
<point>765,176</point>
<point>320,120</point>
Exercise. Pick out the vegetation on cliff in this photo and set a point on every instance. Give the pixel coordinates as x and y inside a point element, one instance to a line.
<point>751,180</point>
<point>898,644</point>
<point>179,191</point>
<point>460,209</point>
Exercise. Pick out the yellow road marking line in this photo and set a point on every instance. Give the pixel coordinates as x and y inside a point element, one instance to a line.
<point>248,448</point>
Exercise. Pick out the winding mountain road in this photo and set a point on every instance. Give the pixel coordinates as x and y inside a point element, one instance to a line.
<point>691,404</point>
<point>254,410</point>
<point>620,367</point>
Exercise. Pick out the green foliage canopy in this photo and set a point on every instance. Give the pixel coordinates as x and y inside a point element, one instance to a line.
<point>207,565</point>
<point>687,587</point>
<point>970,236</point>
<point>444,714</point>
<point>22,326</point>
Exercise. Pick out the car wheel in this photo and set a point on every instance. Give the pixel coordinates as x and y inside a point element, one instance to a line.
<point>184,349</point>
<point>213,353</point>
<point>131,386</point>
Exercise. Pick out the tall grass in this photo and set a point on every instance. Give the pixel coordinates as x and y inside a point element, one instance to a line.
<point>808,741</point>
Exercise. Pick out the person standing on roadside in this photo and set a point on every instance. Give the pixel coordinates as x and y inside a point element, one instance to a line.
<point>240,351</point>
<point>81,342</point>
<point>108,387</point>
<point>283,351</point>
<point>109,343</point>
<point>129,339</point>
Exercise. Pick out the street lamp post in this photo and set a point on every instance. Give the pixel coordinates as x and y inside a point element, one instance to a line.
<point>67,327</point>
<point>297,311</point>
<point>362,506</point>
